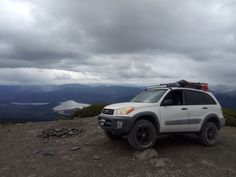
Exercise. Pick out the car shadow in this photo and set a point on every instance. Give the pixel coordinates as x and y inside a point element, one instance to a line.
<point>164,142</point>
<point>175,140</point>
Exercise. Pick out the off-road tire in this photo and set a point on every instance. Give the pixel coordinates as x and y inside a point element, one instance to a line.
<point>209,134</point>
<point>142,129</point>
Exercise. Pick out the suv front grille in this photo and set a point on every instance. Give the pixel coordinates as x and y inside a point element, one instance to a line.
<point>108,111</point>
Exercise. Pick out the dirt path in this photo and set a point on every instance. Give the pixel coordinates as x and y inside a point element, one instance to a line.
<point>90,153</point>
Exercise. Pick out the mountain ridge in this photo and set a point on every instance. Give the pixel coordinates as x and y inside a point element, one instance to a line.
<point>80,93</point>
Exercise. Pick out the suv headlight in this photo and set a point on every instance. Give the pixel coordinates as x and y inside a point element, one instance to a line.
<point>124,110</point>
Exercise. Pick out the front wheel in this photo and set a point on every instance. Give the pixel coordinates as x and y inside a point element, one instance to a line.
<point>209,134</point>
<point>143,135</point>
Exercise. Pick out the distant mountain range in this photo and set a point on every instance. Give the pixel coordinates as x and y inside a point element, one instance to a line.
<point>77,92</point>
<point>41,103</point>
<point>42,99</point>
<point>227,99</point>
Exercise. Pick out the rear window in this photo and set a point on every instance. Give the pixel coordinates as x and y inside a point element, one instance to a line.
<point>197,98</point>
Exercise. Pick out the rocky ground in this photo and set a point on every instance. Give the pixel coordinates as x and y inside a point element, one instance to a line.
<point>79,148</point>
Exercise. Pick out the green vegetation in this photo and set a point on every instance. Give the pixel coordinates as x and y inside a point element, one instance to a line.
<point>230,117</point>
<point>90,111</point>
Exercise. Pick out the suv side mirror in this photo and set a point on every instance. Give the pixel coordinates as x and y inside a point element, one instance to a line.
<point>167,102</point>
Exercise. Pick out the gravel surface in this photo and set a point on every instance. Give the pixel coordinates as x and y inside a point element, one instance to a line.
<point>89,153</point>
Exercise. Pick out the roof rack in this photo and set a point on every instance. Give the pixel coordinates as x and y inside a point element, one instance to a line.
<point>181,83</point>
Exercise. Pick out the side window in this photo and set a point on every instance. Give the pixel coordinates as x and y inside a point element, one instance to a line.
<point>176,96</point>
<point>197,98</point>
<point>208,99</point>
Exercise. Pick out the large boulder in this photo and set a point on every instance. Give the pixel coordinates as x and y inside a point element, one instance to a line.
<point>146,154</point>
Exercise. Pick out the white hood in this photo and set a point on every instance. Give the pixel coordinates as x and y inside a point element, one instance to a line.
<point>134,104</point>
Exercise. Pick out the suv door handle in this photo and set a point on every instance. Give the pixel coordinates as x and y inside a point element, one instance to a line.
<point>204,107</point>
<point>184,108</point>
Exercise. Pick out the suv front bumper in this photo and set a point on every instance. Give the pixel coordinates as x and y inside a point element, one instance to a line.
<point>115,124</point>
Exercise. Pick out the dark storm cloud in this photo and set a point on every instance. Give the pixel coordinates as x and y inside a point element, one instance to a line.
<point>136,26</point>
<point>118,41</point>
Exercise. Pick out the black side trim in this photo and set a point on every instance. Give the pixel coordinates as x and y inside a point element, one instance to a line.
<point>183,121</point>
<point>177,122</point>
<point>194,121</point>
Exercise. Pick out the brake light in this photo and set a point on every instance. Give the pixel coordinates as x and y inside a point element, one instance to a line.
<point>204,86</point>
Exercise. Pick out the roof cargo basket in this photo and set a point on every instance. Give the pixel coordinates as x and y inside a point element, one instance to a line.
<point>181,83</point>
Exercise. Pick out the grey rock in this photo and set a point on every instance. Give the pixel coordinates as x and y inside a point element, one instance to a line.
<point>32,175</point>
<point>133,175</point>
<point>48,153</point>
<point>96,157</point>
<point>70,133</point>
<point>158,162</point>
<point>19,124</point>
<point>146,154</point>
<point>189,165</point>
<point>36,151</point>
<point>92,143</point>
<point>208,163</point>
<point>76,148</point>
<point>230,172</point>
<point>58,132</point>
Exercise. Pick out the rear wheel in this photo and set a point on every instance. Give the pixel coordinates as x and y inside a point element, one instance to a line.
<point>209,134</point>
<point>143,135</point>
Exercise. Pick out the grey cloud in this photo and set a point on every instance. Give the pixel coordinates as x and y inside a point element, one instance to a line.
<point>177,26</point>
<point>119,41</point>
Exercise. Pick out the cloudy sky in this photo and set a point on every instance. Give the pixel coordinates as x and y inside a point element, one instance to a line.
<point>120,42</point>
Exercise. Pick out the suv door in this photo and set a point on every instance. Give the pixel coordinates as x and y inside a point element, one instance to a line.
<point>199,105</point>
<point>174,116</point>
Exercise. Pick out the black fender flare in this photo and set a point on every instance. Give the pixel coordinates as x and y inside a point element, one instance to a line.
<point>210,116</point>
<point>150,114</point>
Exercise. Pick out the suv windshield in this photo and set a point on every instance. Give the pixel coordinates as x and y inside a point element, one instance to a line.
<point>149,96</point>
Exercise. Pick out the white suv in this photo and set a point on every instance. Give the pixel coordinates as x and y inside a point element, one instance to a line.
<point>166,108</point>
